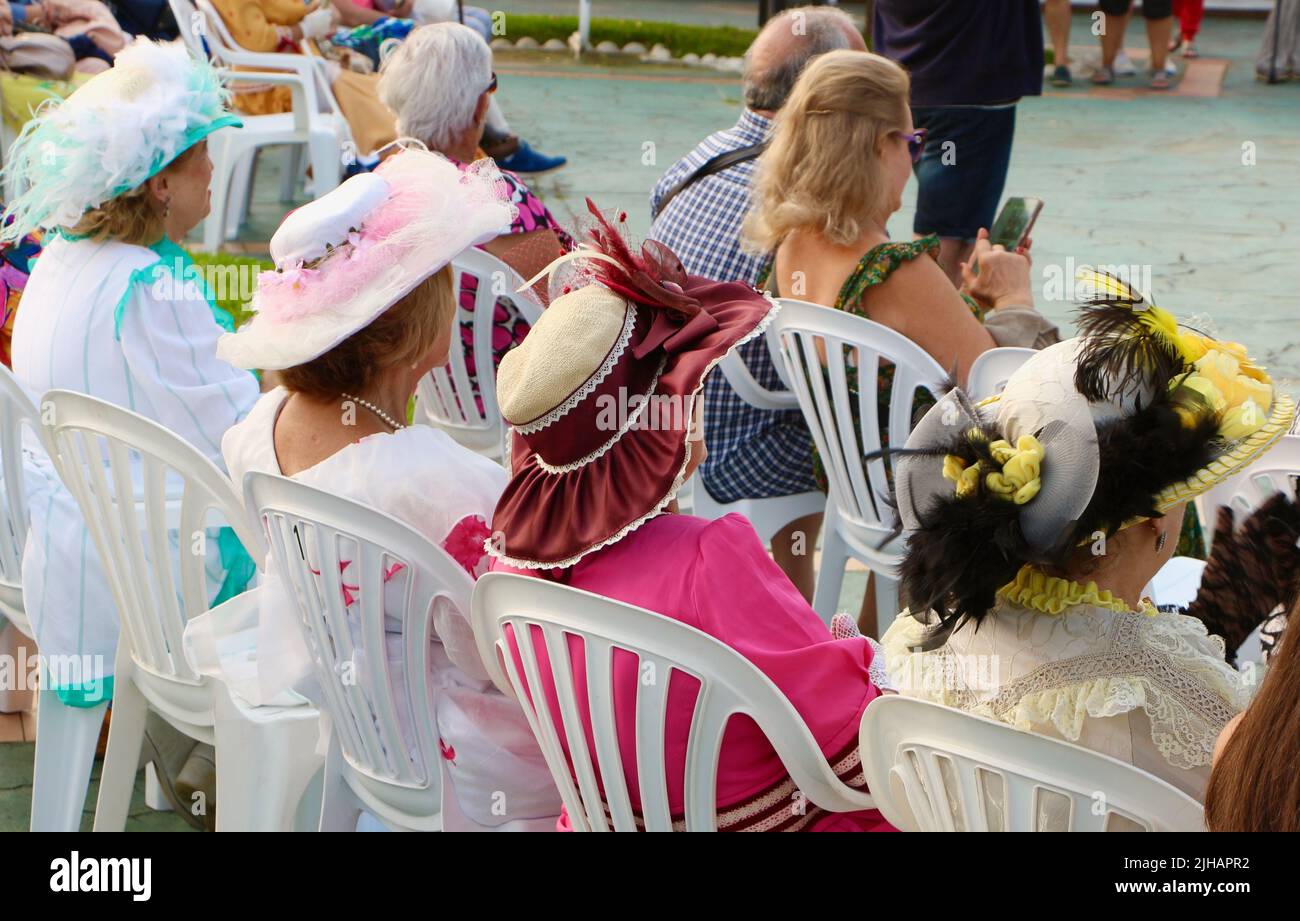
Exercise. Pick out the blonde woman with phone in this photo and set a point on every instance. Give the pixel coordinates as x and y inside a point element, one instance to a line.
<point>841,154</point>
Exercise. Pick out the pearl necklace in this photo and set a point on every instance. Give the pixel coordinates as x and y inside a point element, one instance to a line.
<point>391,422</point>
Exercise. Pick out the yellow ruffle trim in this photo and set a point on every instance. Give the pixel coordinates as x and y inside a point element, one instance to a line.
<point>1050,595</point>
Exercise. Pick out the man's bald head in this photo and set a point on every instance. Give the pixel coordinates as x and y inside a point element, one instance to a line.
<point>786,45</point>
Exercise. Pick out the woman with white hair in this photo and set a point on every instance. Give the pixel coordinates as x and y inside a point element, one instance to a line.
<point>439,84</point>
<point>498,142</point>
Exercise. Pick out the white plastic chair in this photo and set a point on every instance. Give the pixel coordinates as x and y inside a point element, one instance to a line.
<point>316,122</point>
<point>729,684</point>
<point>374,763</point>
<point>1177,582</point>
<point>16,411</point>
<point>933,768</point>
<point>859,516</point>
<point>445,396</point>
<point>768,516</point>
<point>266,755</point>
<point>990,372</point>
<point>1275,471</point>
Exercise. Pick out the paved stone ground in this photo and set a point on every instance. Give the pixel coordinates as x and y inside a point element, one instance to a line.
<point>1129,176</point>
<point>16,795</point>
<point>1164,182</point>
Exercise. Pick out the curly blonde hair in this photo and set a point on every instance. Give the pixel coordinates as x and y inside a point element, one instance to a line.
<point>821,170</point>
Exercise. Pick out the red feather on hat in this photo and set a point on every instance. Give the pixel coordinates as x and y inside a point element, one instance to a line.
<point>656,278</point>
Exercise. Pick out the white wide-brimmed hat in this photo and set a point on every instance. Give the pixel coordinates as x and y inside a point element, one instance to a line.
<point>344,259</point>
<point>118,130</point>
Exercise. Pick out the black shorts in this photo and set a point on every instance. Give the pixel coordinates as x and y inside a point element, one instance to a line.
<point>1151,9</point>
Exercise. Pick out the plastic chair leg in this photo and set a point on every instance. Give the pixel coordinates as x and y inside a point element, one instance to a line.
<point>326,162</point>
<point>122,760</point>
<point>65,753</point>
<point>265,760</point>
<point>214,224</point>
<point>241,191</point>
<point>830,575</point>
<point>292,170</point>
<point>339,809</point>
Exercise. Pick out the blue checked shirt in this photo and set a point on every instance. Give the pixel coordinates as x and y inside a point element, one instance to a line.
<point>753,453</point>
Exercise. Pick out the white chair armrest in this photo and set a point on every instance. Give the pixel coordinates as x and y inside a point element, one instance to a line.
<point>301,94</point>
<point>749,390</point>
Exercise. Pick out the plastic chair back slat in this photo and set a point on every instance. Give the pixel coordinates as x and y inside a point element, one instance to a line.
<point>525,608</point>
<point>653,677</point>
<point>600,698</point>
<point>1274,471</point>
<point>1045,783</point>
<point>130,476</point>
<point>446,396</point>
<point>16,411</point>
<point>352,572</point>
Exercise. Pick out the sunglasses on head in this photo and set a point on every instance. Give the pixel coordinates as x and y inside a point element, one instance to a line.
<point>915,143</point>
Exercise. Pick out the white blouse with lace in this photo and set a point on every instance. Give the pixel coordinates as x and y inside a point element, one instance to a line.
<point>1074,663</point>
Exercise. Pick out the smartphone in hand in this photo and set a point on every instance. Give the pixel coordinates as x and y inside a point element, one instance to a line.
<point>1015,221</point>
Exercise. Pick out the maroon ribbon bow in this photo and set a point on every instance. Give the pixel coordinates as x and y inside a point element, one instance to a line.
<point>655,279</point>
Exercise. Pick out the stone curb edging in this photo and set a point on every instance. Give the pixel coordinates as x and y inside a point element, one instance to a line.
<point>659,54</point>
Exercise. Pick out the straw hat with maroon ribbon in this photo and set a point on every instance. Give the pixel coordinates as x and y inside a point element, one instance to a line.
<point>601,395</point>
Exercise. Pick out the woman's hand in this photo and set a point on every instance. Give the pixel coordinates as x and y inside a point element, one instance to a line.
<point>1003,279</point>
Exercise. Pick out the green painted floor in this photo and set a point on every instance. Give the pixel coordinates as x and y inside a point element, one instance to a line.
<point>16,796</point>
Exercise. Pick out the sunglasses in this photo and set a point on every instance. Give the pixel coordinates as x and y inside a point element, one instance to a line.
<point>492,87</point>
<point>915,143</point>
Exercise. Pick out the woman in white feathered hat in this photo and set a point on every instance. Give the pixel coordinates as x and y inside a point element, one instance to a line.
<point>359,308</point>
<point>118,173</point>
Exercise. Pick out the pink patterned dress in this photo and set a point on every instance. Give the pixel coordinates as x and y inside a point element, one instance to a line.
<point>716,576</point>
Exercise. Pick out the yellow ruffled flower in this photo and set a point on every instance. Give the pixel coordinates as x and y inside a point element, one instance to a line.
<point>1242,421</point>
<point>968,482</point>
<point>1200,385</point>
<point>1027,492</point>
<point>952,467</point>
<point>1225,371</point>
<point>1001,450</point>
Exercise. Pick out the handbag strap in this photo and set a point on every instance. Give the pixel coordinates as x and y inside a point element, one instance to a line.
<point>712,166</point>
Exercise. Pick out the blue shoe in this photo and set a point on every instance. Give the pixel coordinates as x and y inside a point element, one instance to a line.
<point>1061,76</point>
<point>527,160</point>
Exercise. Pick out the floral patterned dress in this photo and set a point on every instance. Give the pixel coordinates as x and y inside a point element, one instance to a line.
<point>15,265</point>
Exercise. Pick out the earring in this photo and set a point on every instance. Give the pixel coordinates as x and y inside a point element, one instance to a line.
<point>1160,541</point>
<point>167,208</point>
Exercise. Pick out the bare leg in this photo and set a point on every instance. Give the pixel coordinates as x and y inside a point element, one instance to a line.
<point>1057,14</point>
<point>792,549</point>
<point>1112,40</point>
<point>1158,32</point>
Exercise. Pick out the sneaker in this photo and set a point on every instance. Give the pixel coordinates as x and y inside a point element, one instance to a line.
<point>1061,76</point>
<point>527,160</point>
<point>1123,66</point>
<point>1190,51</point>
<point>1103,76</point>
